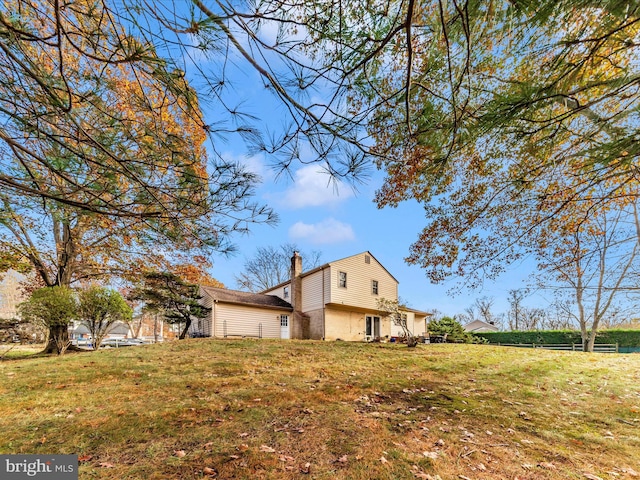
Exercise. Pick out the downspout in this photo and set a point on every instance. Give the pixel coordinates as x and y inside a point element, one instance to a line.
<point>213,317</point>
<point>324,324</point>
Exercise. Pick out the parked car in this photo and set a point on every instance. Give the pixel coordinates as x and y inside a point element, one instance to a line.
<point>115,343</point>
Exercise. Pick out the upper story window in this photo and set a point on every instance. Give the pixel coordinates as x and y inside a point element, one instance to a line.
<point>342,279</point>
<point>367,259</point>
<point>286,292</point>
<point>374,287</point>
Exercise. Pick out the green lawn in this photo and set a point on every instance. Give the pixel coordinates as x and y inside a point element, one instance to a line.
<point>257,409</point>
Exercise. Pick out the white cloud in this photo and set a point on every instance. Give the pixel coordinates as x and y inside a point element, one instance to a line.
<point>313,187</point>
<point>329,230</point>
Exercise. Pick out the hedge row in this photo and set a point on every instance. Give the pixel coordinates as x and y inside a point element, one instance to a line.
<point>624,338</point>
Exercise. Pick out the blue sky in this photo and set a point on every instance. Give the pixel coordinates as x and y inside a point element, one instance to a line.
<point>339,223</point>
<point>316,215</point>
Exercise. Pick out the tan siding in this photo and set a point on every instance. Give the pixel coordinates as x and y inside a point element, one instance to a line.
<point>350,326</point>
<point>203,326</point>
<point>312,291</point>
<point>327,285</point>
<point>344,325</point>
<point>359,276</point>
<point>420,324</point>
<point>279,292</point>
<point>244,321</point>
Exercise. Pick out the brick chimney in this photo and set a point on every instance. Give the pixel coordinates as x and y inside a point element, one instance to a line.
<point>296,265</point>
<point>299,322</point>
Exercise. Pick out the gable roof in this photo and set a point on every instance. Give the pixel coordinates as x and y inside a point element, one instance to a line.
<point>480,325</point>
<point>366,252</point>
<point>417,312</point>
<point>246,298</point>
<point>328,264</point>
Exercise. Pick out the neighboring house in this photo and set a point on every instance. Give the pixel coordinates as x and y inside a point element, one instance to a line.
<point>151,326</point>
<point>478,326</point>
<point>337,300</point>
<point>79,331</point>
<point>10,294</point>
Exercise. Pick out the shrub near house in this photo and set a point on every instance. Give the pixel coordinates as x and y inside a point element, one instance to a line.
<point>453,330</point>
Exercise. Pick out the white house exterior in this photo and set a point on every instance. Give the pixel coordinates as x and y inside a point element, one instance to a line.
<point>337,300</point>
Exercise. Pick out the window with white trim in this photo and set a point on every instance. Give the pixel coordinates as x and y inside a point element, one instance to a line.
<point>374,287</point>
<point>342,279</point>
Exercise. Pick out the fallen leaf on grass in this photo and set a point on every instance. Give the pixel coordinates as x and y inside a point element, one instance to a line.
<point>342,459</point>
<point>591,476</point>
<point>431,455</point>
<point>547,465</point>
<point>180,453</point>
<point>208,445</point>
<point>306,469</point>
<point>212,472</point>
<point>384,460</point>
<point>424,476</point>
<point>242,447</point>
<point>631,472</point>
<point>286,458</point>
<point>267,449</point>
<point>106,465</point>
<point>85,458</point>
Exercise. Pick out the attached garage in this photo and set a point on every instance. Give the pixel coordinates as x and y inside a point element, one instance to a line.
<point>242,314</point>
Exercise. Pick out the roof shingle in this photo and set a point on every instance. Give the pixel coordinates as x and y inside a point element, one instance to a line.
<point>245,298</point>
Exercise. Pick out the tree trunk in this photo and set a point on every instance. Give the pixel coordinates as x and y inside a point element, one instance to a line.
<point>58,334</point>
<point>590,342</point>
<point>187,324</point>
